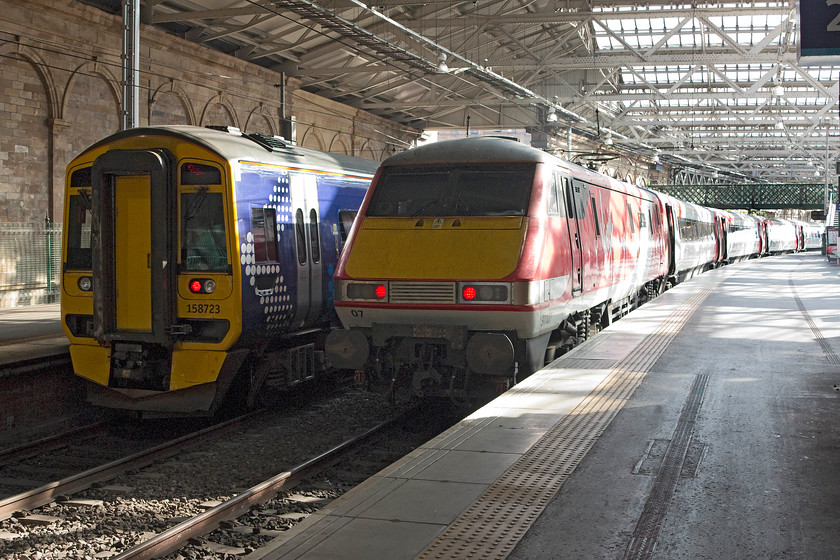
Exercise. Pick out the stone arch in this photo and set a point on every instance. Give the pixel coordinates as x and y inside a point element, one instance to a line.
<point>312,139</point>
<point>219,109</point>
<point>339,146</point>
<point>165,102</point>
<point>28,96</point>
<point>90,70</point>
<point>367,152</point>
<point>43,70</point>
<point>260,120</point>
<point>387,152</point>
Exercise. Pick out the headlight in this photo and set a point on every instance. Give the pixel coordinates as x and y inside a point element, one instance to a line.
<point>85,283</point>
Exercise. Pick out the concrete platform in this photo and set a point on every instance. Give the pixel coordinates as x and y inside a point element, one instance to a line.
<point>31,332</point>
<point>703,425</point>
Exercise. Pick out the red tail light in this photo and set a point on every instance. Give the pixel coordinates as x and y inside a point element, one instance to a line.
<point>469,293</point>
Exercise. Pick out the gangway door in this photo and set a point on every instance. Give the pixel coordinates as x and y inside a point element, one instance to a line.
<point>133,206</point>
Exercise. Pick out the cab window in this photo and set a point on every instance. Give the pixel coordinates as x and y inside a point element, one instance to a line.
<point>203,245</point>
<point>78,232</point>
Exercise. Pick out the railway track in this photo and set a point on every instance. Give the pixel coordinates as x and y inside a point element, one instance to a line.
<point>213,531</point>
<point>194,485</point>
<point>86,457</point>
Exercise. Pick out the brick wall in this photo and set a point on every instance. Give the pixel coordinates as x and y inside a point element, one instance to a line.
<point>60,93</point>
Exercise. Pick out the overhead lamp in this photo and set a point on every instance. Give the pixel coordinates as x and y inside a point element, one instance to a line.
<point>552,113</point>
<point>442,67</point>
<point>608,141</point>
<point>778,91</point>
<point>779,125</point>
<point>656,157</point>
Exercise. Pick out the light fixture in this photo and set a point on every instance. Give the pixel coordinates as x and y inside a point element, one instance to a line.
<point>656,157</point>
<point>552,111</point>
<point>442,67</point>
<point>778,91</point>
<point>779,125</point>
<point>608,141</point>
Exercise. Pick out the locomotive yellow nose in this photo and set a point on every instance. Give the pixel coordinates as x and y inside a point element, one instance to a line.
<point>437,248</point>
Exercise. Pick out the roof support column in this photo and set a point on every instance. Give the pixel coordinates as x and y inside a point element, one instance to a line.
<point>131,63</point>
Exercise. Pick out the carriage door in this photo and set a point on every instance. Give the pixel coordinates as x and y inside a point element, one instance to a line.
<point>723,242</point>
<point>574,236</point>
<point>672,239</point>
<point>131,211</point>
<point>306,221</point>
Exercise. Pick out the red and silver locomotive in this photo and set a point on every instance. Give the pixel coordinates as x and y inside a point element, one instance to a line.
<point>484,258</point>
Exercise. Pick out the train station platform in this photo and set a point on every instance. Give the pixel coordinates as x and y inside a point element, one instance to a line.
<point>30,333</point>
<point>703,425</point>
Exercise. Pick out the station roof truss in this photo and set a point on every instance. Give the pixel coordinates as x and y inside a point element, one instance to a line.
<point>715,86</point>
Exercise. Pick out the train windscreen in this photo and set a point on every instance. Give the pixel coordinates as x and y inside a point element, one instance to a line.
<point>203,246</point>
<point>454,190</point>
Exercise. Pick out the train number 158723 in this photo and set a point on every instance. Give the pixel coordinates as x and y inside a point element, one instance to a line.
<point>203,308</point>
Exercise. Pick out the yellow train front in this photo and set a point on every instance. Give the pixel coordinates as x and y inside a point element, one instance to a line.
<point>198,261</point>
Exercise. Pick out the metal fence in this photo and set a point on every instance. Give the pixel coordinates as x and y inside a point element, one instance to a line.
<point>30,263</point>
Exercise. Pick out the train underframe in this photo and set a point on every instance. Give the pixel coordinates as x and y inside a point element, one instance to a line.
<point>248,376</point>
<point>450,360</point>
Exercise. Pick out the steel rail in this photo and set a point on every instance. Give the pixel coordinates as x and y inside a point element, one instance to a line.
<point>176,537</point>
<point>47,493</point>
<point>55,440</point>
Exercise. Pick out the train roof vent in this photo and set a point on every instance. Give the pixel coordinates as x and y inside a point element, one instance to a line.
<point>272,143</point>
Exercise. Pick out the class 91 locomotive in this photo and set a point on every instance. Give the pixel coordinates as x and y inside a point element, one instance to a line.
<point>482,259</point>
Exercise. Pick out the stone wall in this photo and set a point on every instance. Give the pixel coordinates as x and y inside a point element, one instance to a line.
<point>60,92</point>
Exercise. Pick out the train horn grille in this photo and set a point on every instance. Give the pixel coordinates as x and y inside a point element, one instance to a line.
<point>422,292</point>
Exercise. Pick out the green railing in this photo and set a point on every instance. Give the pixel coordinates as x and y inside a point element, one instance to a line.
<point>30,264</point>
<point>774,196</point>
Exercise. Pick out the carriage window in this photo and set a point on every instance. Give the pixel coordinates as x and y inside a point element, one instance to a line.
<point>570,204</point>
<point>78,232</point>
<point>456,190</point>
<point>595,215</point>
<point>556,197</point>
<point>345,222</point>
<point>264,228</point>
<point>313,236</point>
<point>203,237</point>
<point>553,203</point>
<point>300,236</point>
<point>631,219</point>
